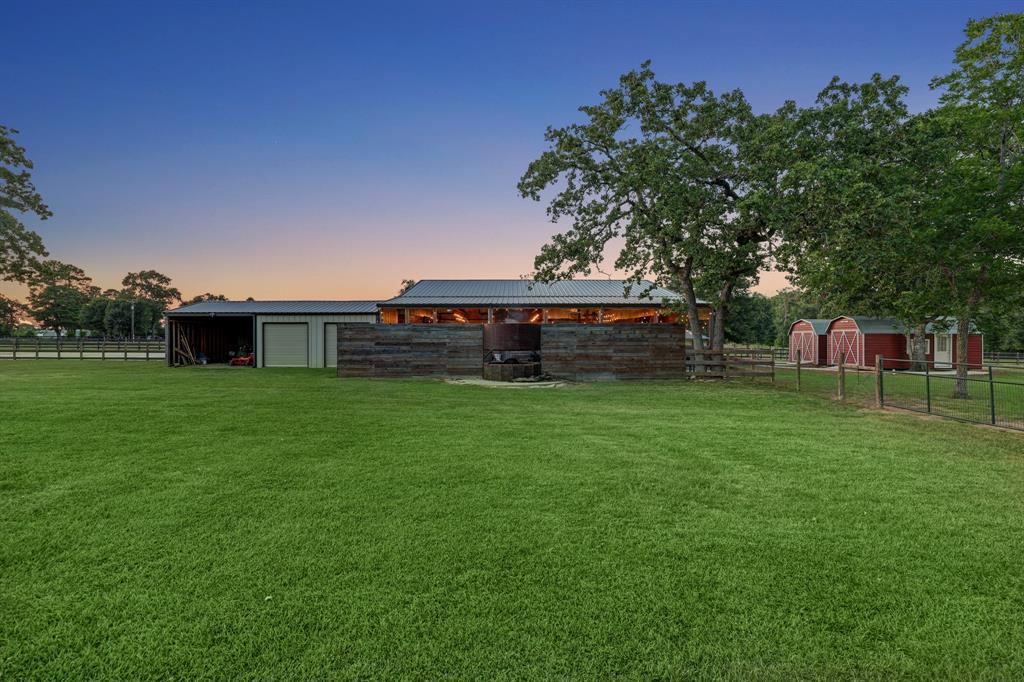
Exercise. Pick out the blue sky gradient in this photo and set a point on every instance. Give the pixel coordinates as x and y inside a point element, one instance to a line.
<point>328,150</point>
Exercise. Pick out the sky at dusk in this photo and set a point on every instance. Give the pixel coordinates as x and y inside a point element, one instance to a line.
<point>330,150</point>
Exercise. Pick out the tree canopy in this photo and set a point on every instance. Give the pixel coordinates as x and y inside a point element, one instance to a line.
<point>19,246</point>
<point>684,178</point>
<point>150,285</point>
<point>57,294</point>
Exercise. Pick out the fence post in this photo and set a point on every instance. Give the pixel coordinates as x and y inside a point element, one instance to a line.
<point>773,364</point>
<point>58,348</point>
<point>147,351</point>
<point>103,349</point>
<point>992,394</point>
<point>81,349</point>
<point>879,373</point>
<point>126,351</point>
<point>928,385</point>
<point>14,354</point>
<point>842,378</point>
<point>37,348</point>
<point>799,358</point>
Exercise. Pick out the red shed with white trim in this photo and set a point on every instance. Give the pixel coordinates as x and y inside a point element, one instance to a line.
<point>810,337</point>
<point>860,340</point>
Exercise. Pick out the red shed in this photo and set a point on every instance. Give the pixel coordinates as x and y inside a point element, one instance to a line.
<point>810,337</point>
<point>859,340</point>
<point>943,345</point>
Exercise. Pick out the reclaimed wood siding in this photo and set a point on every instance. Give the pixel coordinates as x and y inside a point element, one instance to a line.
<point>588,352</point>
<point>410,350</point>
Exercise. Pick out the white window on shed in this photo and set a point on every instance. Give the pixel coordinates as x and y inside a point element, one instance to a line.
<point>285,344</point>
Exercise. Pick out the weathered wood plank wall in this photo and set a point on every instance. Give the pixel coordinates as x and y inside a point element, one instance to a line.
<point>587,352</point>
<point>409,350</point>
<point>583,352</point>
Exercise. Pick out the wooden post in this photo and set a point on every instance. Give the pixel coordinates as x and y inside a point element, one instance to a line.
<point>879,394</point>
<point>58,348</point>
<point>773,364</point>
<point>14,356</point>
<point>103,349</point>
<point>126,351</point>
<point>799,358</point>
<point>147,352</point>
<point>842,378</point>
<point>81,349</point>
<point>37,348</point>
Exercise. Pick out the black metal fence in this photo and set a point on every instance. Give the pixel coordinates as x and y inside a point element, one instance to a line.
<point>987,395</point>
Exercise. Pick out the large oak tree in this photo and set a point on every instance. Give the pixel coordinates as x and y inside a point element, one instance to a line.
<point>685,179</point>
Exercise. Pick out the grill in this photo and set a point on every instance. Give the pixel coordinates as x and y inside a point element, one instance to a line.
<point>511,351</point>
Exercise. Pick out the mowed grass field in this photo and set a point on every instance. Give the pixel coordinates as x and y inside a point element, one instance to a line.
<point>271,524</point>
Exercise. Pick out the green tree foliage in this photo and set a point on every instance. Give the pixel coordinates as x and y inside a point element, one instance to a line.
<point>979,194</point>
<point>93,315</point>
<point>150,285</point>
<point>406,285</point>
<point>11,312</point>
<point>751,320</point>
<point>205,297</point>
<point>19,247</point>
<point>790,305</point>
<point>858,196</point>
<point>685,179</point>
<point>1002,322</point>
<point>57,294</point>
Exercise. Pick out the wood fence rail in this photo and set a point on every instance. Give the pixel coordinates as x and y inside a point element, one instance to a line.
<point>52,348</point>
<point>731,363</point>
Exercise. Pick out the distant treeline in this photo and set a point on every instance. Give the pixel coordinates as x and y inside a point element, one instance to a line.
<point>762,320</point>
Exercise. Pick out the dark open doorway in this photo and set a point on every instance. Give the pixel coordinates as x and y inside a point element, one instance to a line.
<point>215,339</point>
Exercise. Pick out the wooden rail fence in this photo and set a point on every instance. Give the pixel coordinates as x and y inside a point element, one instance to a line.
<point>731,363</point>
<point>50,348</point>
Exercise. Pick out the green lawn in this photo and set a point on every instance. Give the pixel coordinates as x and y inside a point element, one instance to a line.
<point>909,390</point>
<point>214,523</point>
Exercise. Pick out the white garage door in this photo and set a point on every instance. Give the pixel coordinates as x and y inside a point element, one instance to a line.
<point>330,345</point>
<point>285,345</point>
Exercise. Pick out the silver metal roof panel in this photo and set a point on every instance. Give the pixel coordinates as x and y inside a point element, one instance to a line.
<point>277,308</point>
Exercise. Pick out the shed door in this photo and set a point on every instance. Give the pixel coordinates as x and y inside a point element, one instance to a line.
<point>844,343</point>
<point>330,345</point>
<point>285,344</point>
<point>943,351</point>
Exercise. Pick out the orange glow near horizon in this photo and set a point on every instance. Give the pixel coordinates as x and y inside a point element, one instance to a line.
<point>326,259</point>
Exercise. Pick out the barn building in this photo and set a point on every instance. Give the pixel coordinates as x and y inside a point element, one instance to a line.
<point>810,337</point>
<point>860,340</point>
<point>492,301</point>
<point>306,333</point>
<point>278,333</point>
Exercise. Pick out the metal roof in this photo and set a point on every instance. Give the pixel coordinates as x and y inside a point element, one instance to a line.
<point>521,292</point>
<point>277,308</point>
<point>819,325</point>
<point>890,325</point>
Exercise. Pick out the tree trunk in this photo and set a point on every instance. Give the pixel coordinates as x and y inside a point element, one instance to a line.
<point>919,348</point>
<point>720,313</point>
<point>692,310</point>
<point>693,316</point>
<point>963,327</point>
